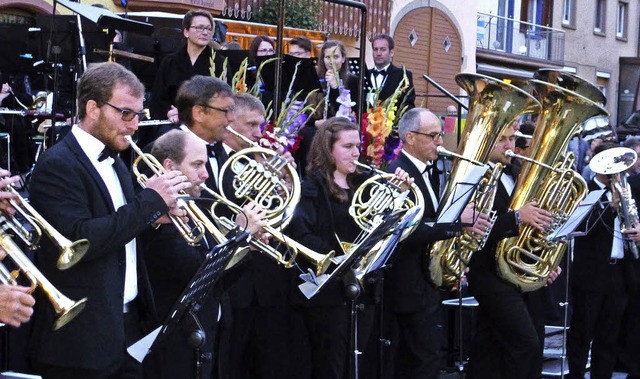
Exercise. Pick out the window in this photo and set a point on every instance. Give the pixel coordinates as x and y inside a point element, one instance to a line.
<point>568,13</point>
<point>621,21</point>
<point>599,24</point>
<point>536,12</point>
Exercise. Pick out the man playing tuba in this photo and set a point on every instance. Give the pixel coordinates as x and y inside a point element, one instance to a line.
<point>506,344</point>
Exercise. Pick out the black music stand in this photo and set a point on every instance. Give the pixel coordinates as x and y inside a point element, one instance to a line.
<point>449,213</point>
<point>314,284</point>
<point>299,74</point>
<point>234,60</point>
<point>191,299</point>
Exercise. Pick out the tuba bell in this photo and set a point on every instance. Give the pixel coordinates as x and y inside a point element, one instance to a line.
<point>528,259</point>
<point>493,105</point>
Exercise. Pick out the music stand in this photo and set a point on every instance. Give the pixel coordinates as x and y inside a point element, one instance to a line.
<point>299,74</point>
<point>314,284</point>
<point>566,231</point>
<point>195,292</point>
<point>449,213</point>
<point>450,210</point>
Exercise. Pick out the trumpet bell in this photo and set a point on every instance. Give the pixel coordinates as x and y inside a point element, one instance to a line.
<point>613,161</point>
<point>72,253</point>
<point>68,312</point>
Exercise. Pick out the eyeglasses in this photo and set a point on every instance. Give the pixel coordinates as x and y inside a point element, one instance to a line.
<point>266,51</point>
<point>128,114</point>
<point>202,29</point>
<point>225,111</point>
<point>434,135</point>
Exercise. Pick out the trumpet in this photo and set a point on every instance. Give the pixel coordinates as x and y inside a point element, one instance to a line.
<point>65,308</point>
<point>70,252</point>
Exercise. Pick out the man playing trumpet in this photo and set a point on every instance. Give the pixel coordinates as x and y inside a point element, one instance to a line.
<point>173,262</point>
<point>84,190</point>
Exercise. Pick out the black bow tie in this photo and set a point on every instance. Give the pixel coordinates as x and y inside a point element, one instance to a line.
<point>508,170</point>
<point>211,150</point>
<point>377,72</point>
<point>106,153</point>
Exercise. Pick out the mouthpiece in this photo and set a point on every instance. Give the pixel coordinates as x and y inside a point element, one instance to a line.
<point>511,154</point>
<point>446,153</point>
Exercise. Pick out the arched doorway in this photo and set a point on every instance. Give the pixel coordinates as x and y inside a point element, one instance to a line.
<point>437,52</point>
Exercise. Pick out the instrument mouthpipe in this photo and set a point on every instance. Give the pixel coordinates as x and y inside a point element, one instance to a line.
<point>242,137</point>
<point>371,168</point>
<point>511,154</point>
<point>446,153</point>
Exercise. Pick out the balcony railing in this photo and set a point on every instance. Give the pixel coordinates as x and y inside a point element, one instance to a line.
<point>519,38</point>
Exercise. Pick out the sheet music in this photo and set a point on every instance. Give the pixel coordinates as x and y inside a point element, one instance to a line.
<point>452,210</point>
<point>576,218</point>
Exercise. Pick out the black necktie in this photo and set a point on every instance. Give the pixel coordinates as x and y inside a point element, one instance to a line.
<point>106,153</point>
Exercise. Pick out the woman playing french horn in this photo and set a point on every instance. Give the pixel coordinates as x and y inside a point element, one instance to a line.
<point>322,222</point>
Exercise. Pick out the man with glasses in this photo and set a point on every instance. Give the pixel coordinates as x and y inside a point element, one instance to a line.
<point>300,47</point>
<point>83,188</point>
<point>205,105</point>
<point>413,303</point>
<point>191,59</point>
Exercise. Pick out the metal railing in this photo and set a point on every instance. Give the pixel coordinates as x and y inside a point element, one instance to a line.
<point>519,38</point>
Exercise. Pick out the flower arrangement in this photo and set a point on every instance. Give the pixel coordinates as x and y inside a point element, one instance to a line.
<point>380,141</point>
<point>282,134</point>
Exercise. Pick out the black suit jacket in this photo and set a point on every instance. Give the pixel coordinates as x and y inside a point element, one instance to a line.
<point>407,283</point>
<point>70,194</point>
<point>590,269</point>
<point>394,76</point>
<point>483,276</point>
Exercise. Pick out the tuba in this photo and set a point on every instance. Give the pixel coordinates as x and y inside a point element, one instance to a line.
<point>493,105</point>
<point>528,259</point>
<point>65,308</point>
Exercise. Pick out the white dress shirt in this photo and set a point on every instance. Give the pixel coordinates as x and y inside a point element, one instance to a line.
<point>92,147</point>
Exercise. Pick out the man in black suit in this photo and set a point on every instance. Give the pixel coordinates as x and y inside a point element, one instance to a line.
<point>602,276</point>
<point>257,325</point>
<point>205,105</point>
<point>173,262</point>
<point>84,190</point>
<point>506,344</point>
<point>412,300</point>
<point>386,77</point>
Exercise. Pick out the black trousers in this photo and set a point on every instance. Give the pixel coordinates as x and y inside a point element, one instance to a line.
<point>128,368</point>
<point>416,340</point>
<point>506,344</point>
<point>260,333</point>
<point>596,320</point>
